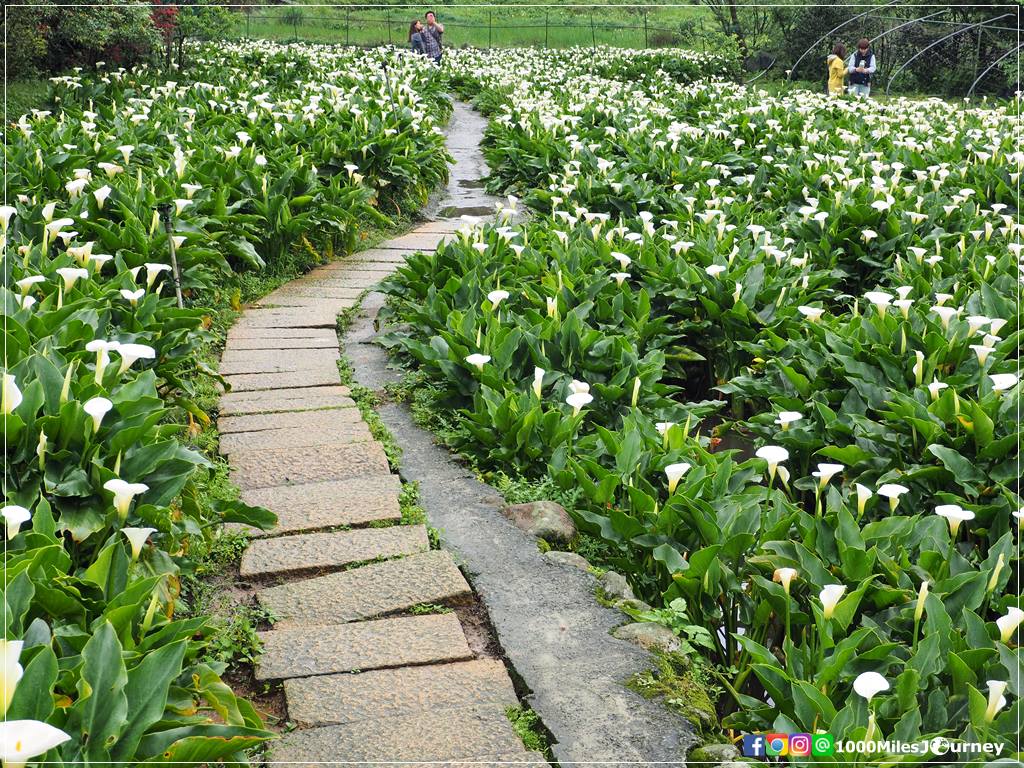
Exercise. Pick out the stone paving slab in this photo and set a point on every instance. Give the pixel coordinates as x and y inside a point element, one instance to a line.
<point>272,401</point>
<point>363,265</point>
<point>323,342</point>
<point>337,295</point>
<point>242,332</point>
<point>448,735</point>
<point>334,304</point>
<point>417,241</point>
<point>296,437</point>
<point>322,375</point>
<point>331,649</point>
<point>266,467</point>
<point>331,550</point>
<point>257,422</point>
<point>309,507</point>
<point>513,760</point>
<point>288,356</point>
<point>387,255</point>
<point>238,366</point>
<point>346,273</point>
<point>366,592</point>
<point>313,316</point>
<point>336,699</point>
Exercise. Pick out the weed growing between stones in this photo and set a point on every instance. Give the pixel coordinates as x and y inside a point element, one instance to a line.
<point>423,609</point>
<point>527,726</point>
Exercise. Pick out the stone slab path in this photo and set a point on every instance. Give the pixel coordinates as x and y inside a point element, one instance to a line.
<point>369,673</point>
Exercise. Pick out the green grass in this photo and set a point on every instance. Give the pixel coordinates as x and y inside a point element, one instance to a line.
<point>20,96</point>
<point>608,25</point>
<point>526,724</point>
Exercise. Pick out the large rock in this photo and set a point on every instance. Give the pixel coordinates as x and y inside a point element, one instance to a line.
<point>646,634</point>
<point>545,519</point>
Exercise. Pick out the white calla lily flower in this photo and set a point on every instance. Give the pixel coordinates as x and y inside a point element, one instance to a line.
<point>124,493</point>
<point>136,539</point>
<point>11,672</point>
<point>478,361</point>
<point>10,394</point>
<point>23,740</point>
<point>14,516</point>
<point>97,408</point>
<point>830,597</point>
<point>1008,624</point>
<point>674,473</point>
<point>869,684</point>
<point>578,400</point>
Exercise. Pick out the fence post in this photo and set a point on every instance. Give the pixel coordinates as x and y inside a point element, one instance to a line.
<point>348,22</point>
<point>593,32</point>
<point>388,21</point>
<point>977,55</point>
<point>248,16</point>
<point>489,29</point>
<point>646,43</point>
<point>545,28</point>
<point>295,26</point>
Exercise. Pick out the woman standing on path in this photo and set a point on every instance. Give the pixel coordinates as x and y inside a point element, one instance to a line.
<point>836,70</point>
<point>416,37</point>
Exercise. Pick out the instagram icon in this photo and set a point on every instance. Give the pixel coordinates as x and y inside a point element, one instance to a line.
<point>800,744</point>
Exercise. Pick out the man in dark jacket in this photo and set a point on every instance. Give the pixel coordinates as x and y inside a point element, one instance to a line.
<point>861,66</point>
<point>431,35</point>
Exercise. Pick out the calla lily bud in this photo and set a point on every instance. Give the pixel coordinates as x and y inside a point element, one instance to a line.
<point>922,595</point>
<point>995,572</point>
<point>41,450</point>
<point>538,381</point>
<point>636,391</point>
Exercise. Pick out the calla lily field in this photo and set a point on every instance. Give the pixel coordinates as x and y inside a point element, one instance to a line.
<point>263,149</point>
<point>770,345</point>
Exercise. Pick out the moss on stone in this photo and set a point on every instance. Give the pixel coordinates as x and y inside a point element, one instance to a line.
<point>681,687</point>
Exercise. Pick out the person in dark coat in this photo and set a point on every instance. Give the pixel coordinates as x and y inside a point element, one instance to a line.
<point>416,37</point>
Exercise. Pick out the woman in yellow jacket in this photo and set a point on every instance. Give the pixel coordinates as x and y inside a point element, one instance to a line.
<point>836,70</point>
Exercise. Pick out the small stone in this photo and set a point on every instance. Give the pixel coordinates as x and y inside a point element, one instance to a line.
<point>545,519</point>
<point>648,635</point>
<point>714,753</point>
<point>567,558</point>
<point>615,586</point>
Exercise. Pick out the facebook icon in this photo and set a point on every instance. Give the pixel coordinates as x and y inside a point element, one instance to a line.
<point>753,745</point>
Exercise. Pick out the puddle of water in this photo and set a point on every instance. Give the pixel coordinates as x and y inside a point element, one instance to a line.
<point>452,211</point>
<point>472,183</point>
